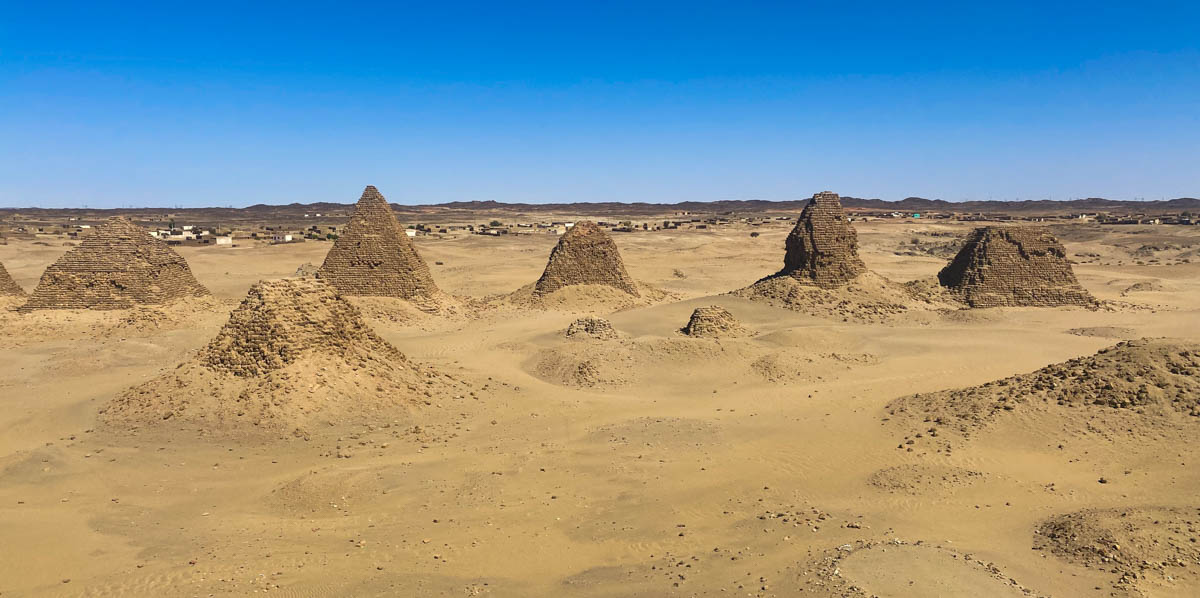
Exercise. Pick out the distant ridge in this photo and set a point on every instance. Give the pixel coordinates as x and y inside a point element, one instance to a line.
<point>908,204</point>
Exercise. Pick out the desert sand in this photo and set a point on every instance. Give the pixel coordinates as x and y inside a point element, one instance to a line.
<point>623,460</point>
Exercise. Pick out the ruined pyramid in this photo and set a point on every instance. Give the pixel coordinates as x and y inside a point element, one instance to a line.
<point>8,286</point>
<point>293,352</point>
<point>822,274</point>
<point>822,248</point>
<point>118,266</point>
<point>585,255</point>
<point>713,321</point>
<point>374,257</point>
<point>1013,266</point>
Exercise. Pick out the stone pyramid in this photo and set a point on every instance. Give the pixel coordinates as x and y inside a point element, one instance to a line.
<point>281,321</point>
<point>118,266</point>
<point>8,286</point>
<point>713,321</point>
<point>1014,266</point>
<point>295,352</point>
<point>585,255</point>
<point>374,257</point>
<point>822,249</point>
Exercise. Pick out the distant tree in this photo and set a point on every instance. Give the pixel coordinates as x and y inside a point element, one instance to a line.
<point>495,223</point>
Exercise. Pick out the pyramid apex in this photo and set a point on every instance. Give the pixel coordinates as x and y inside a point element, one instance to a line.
<point>370,193</point>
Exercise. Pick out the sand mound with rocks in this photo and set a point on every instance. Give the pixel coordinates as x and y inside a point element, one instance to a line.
<point>713,321</point>
<point>868,298</point>
<point>8,286</point>
<point>823,276</point>
<point>1146,380</point>
<point>1014,266</point>
<point>1145,286</point>
<point>119,265</point>
<point>293,354</point>
<point>1104,331</point>
<point>923,479</point>
<point>1143,545</point>
<point>374,257</point>
<point>592,327</point>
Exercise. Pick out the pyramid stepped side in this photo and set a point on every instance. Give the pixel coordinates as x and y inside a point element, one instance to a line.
<point>1014,266</point>
<point>374,257</point>
<point>585,255</point>
<point>282,321</point>
<point>8,286</point>
<point>116,267</point>
<point>823,247</point>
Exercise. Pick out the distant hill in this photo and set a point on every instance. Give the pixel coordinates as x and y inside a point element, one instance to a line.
<point>478,209</point>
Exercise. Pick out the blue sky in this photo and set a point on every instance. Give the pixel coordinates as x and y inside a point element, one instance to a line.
<point>204,104</point>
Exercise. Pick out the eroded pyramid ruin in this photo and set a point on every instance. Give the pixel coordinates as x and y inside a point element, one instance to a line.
<point>280,322</point>
<point>592,327</point>
<point>374,257</point>
<point>713,321</point>
<point>1013,266</point>
<point>823,247</point>
<point>585,254</point>
<point>118,266</point>
<point>292,352</point>
<point>8,286</point>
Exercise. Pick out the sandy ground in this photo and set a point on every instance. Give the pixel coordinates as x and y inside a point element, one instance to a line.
<point>691,473</point>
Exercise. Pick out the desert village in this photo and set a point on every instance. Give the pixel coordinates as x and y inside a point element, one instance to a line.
<point>817,403</point>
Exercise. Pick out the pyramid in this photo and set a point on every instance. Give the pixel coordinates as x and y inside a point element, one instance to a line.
<point>712,322</point>
<point>118,266</point>
<point>585,255</point>
<point>294,350</point>
<point>280,322</point>
<point>822,249</point>
<point>374,257</point>
<point>1014,266</point>
<point>8,286</point>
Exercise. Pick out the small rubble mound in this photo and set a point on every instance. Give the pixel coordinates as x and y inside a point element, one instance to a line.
<point>822,248</point>
<point>1142,545</point>
<point>1145,286</point>
<point>293,353</point>
<point>592,327</point>
<point>1014,266</point>
<point>8,286</point>
<point>585,254</point>
<point>1104,332</point>
<point>923,479</point>
<point>307,270</point>
<point>1133,380</point>
<point>118,266</point>
<point>374,257</point>
<point>713,321</point>
<point>822,274</point>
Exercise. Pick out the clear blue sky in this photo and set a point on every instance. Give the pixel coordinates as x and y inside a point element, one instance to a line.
<point>207,103</point>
